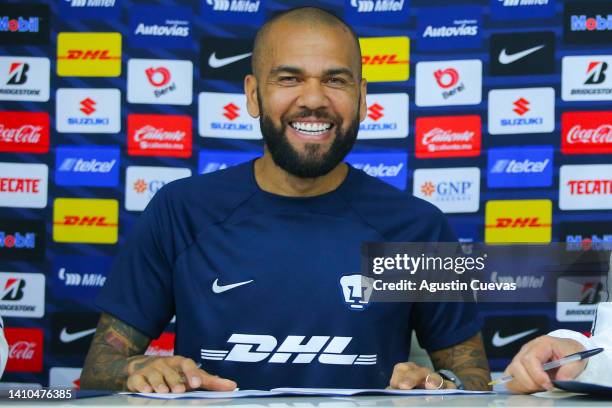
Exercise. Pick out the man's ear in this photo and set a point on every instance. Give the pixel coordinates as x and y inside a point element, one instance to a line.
<point>363,105</point>
<point>250,90</point>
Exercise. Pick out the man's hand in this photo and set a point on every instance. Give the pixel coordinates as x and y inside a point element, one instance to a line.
<point>526,366</point>
<point>407,376</point>
<point>172,374</point>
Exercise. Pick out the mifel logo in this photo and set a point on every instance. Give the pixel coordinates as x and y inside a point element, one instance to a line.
<point>83,220</point>
<point>518,221</point>
<point>385,59</point>
<point>89,54</point>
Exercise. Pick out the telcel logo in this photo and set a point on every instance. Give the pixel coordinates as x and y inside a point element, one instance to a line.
<point>326,349</point>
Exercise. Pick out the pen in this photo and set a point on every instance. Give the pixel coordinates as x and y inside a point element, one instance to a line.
<point>557,363</point>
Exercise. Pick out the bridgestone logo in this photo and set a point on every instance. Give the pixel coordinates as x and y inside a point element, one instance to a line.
<point>19,91</point>
<point>18,308</point>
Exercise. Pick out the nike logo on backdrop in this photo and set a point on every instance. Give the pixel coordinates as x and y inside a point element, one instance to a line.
<point>215,62</point>
<point>66,337</point>
<point>499,341</point>
<point>216,288</point>
<point>505,58</point>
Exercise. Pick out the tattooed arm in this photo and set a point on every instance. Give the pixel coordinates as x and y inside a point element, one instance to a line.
<point>467,360</point>
<point>116,362</point>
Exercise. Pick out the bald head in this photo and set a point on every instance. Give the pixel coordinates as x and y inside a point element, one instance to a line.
<point>303,17</point>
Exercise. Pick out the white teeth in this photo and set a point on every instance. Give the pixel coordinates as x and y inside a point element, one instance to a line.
<point>310,127</point>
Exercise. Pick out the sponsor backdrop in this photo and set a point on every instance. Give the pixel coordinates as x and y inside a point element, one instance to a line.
<point>497,111</point>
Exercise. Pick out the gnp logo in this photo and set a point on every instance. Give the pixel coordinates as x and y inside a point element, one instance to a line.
<point>385,59</point>
<point>89,54</point>
<point>22,239</point>
<point>387,117</point>
<point>24,79</point>
<point>225,115</point>
<point>389,167</point>
<point>448,136</point>
<point>587,291</point>
<point>79,276</point>
<point>159,135</point>
<point>249,12</point>
<point>26,132</point>
<point>22,294</point>
<point>443,83</point>
<point>167,26</point>
<point>588,22</point>
<point>449,28</point>
<point>527,166</point>
<point>213,160</point>
<point>24,24</point>
<point>522,9</point>
<point>25,350</point>
<point>356,291</point>
<point>368,12</point>
<point>85,220</point>
<point>586,132</point>
<point>455,190</point>
<point>160,81</point>
<point>91,9</point>
<point>23,185</point>
<point>585,187</point>
<point>521,110</point>
<point>88,110</point>
<point>142,182</point>
<point>325,349</point>
<point>518,221</point>
<point>586,78</point>
<point>96,166</point>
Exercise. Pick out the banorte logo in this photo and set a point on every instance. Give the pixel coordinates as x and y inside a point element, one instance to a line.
<point>586,132</point>
<point>85,220</point>
<point>159,135</point>
<point>25,350</point>
<point>385,59</point>
<point>518,221</point>
<point>375,111</point>
<point>231,111</point>
<point>521,106</point>
<point>446,78</point>
<point>448,136</point>
<point>24,132</point>
<point>89,54</point>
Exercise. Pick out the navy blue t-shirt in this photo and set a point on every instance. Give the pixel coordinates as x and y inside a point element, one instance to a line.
<point>255,280</point>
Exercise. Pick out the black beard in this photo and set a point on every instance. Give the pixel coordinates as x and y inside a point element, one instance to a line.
<point>311,164</point>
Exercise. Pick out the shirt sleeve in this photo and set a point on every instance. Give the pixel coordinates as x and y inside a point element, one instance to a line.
<point>139,288</point>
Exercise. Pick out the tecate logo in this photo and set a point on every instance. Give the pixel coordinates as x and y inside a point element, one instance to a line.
<point>25,134</point>
<point>19,185</point>
<point>20,24</point>
<point>590,187</point>
<point>369,6</point>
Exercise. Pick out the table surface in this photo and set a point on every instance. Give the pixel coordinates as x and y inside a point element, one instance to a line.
<point>490,400</point>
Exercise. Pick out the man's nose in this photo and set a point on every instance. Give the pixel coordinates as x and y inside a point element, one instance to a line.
<point>313,95</point>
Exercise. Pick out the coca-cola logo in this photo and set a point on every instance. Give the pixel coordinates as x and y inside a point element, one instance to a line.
<point>22,350</point>
<point>151,133</point>
<point>26,134</point>
<point>599,135</point>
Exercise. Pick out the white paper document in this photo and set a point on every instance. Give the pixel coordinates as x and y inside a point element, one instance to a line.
<point>287,392</point>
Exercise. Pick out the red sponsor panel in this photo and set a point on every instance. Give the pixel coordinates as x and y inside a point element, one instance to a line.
<point>26,132</point>
<point>586,132</point>
<point>159,135</point>
<point>448,136</point>
<point>162,346</point>
<point>25,350</point>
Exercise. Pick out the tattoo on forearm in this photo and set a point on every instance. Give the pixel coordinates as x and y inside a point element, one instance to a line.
<point>114,347</point>
<point>468,361</point>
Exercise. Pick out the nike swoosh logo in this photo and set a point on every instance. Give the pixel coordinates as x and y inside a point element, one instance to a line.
<point>215,62</point>
<point>66,337</point>
<point>216,288</point>
<point>499,341</point>
<point>506,59</point>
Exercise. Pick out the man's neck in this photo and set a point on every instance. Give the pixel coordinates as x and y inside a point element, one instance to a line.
<point>275,180</point>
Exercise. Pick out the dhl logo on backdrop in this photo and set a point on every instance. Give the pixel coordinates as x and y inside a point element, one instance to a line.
<point>518,221</point>
<point>385,59</point>
<point>84,220</point>
<point>89,54</point>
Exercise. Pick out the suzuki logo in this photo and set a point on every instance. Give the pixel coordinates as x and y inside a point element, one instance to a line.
<point>375,112</point>
<point>597,72</point>
<point>231,111</point>
<point>446,78</point>
<point>521,106</point>
<point>88,106</point>
<point>158,76</point>
<point>255,348</point>
<point>17,73</point>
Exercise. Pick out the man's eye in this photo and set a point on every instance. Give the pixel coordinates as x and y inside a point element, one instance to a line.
<point>336,81</point>
<point>288,79</point>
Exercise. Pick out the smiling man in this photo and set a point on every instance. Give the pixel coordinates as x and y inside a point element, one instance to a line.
<point>260,262</point>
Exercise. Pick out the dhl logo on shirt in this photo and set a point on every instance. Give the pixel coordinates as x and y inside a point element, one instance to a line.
<point>518,221</point>
<point>385,59</point>
<point>84,220</point>
<point>89,54</point>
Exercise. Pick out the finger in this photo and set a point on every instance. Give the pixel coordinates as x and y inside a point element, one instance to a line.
<point>569,371</point>
<point>533,367</point>
<point>527,385</point>
<point>216,383</point>
<point>156,379</point>
<point>173,379</point>
<point>191,372</point>
<point>412,377</point>
<point>398,371</point>
<point>434,382</point>
<point>138,383</point>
